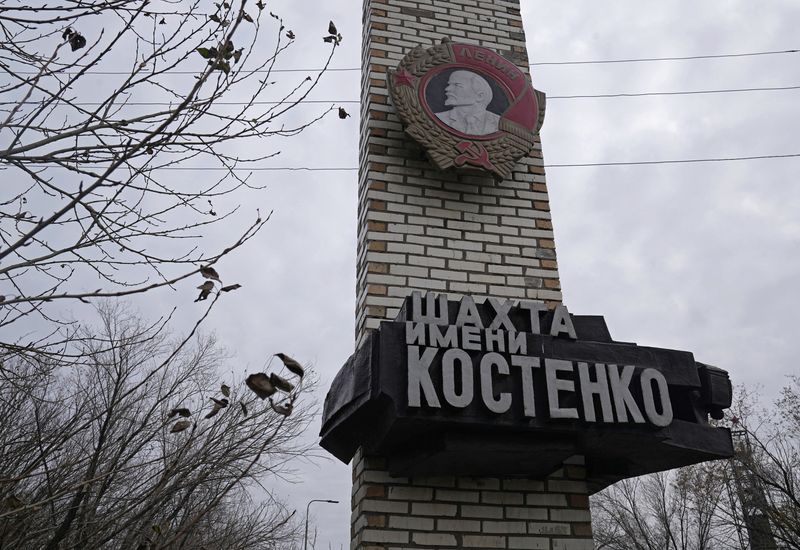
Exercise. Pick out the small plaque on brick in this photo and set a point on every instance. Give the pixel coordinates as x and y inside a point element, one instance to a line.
<point>467,106</point>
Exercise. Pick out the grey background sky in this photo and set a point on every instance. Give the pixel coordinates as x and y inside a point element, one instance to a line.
<point>702,257</point>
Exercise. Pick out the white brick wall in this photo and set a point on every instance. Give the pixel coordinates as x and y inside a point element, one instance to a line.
<point>420,228</point>
<point>467,512</point>
<point>473,235</point>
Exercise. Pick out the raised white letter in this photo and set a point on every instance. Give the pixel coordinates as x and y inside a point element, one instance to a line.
<point>555,384</point>
<point>534,308</point>
<point>420,378</point>
<point>599,388</point>
<point>527,364</point>
<point>449,378</point>
<point>501,314</point>
<point>431,315</point>
<point>517,343</point>
<point>663,419</point>
<point>562,323</point>
<point>447,340</point>
<point>415,333</point>
<point>468,313</point>
<point>471,338</point>
<point>623,399</point>
<point>495,340</point>
<point>501,403</point>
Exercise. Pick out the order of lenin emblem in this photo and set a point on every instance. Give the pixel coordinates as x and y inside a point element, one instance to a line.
<point>468,106</point>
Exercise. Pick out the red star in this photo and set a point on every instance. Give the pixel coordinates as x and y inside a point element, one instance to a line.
<point>403,78</point>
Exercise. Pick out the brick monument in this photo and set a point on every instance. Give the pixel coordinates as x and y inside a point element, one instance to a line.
<point>421,228</point>
<point>433,465</point>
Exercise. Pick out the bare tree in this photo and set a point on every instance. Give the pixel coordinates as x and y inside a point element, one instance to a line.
<point>767,468</point>
<point>100,102</point>
<point>749,502</point>
<point>143,447</point>
<point>118,436</point>
<point>674,510</point>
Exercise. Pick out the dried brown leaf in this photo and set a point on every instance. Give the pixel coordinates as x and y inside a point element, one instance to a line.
<point>209,272</point>
<point>280,383</point>
<point>230,288</point>
<point>260,384</point>
<point>293,365</point>
<point>180,425</point>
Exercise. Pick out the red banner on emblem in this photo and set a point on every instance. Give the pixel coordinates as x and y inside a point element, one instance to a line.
<point>524,109</point>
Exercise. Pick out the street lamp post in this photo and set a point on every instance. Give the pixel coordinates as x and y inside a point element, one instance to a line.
<point>305,537</point>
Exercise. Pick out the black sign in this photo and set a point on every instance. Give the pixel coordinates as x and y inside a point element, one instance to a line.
<point>512,388</point>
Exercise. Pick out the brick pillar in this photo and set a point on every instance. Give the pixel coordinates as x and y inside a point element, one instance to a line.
<point>424,229</point>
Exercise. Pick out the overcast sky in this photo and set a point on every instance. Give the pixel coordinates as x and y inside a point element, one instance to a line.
<point>702,257</point>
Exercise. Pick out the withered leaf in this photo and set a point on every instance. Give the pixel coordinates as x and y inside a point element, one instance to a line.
<point>332,28</point>
<point>184,412</point>
<point>285,409</point>
<point>247,17</point>
<point>237,55</point>
<point>221,403</point>
<point>180,425</point>
<point>223,66</point>
<point>209,272</point>
<point>225,389</point>
<point>280,382</point>
<point>230,287</point>
<point>218,406</point>
<point>208,285</point>
<point>260,384</point>
<point>244,408</point>
<point>290,35</point>
<point>260,5</point>
<point>293,365</point>
<point>205,290</point>
<point>328,38</point>
<point>76,41</point>
<point>342,113</point>
<point>162,22</point>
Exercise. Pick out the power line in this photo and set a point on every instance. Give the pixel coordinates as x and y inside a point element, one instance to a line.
<point>354,101</point>
<point>571,165</point>
<point>672,161</point>
<point>649,59</point>
<point>536,64</point>
<point>686,92</point>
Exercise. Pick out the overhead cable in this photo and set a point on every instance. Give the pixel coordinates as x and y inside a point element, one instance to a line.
<point>535,64</point>
<point>353,101</point>
<point>570,165</point>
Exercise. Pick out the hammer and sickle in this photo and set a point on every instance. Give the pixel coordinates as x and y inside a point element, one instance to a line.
<point>473,153</point>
